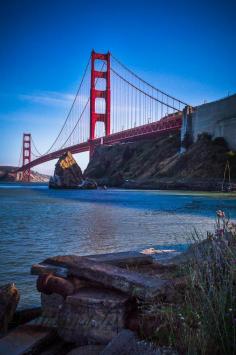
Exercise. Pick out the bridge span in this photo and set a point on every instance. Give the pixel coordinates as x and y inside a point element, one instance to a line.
<point>112,105</point>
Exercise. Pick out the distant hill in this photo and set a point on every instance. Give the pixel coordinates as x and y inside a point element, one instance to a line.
<point>8,174</point>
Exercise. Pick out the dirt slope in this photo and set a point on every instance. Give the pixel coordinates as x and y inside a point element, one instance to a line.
<point>155,162</point>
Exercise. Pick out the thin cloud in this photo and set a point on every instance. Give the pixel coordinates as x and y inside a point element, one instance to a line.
<point>48,98</point>
<point>27,118</point>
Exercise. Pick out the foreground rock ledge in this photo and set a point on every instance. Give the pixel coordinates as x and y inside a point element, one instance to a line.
<point>132,283</point>
<point>91,300</point>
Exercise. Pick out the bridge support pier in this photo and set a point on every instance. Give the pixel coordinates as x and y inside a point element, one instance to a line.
<point>186,128</point>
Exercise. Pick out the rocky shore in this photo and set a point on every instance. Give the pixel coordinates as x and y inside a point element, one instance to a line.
<point>184,184</point>
<point>157,164</point>
<point>124,302</point>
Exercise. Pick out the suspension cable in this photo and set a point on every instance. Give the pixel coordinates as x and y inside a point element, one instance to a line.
<point>68,115</point>
<point>37,151</point>
<point>143,92</point>
<point>76,123</point>
<point>80,114</point>
<point>145,82</point>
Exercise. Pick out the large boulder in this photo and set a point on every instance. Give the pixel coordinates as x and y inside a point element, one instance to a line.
<point>68,175</point>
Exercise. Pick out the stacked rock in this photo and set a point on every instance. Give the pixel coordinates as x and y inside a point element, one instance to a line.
<point>91,299</point>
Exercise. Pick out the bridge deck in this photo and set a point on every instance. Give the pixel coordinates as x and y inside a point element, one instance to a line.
<point>165,125</point>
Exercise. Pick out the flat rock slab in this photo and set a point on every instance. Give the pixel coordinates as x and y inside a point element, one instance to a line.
<point>41,269</point>
<point>122,259</point>
<point>26,339</point>
<point>134,284</point>
<point>125,258</point>
<point>91,296</point>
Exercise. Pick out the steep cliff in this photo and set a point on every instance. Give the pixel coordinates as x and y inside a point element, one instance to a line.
<point>157,163</point>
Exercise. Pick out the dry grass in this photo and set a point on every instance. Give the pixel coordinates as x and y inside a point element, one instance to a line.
<point>205,321</point>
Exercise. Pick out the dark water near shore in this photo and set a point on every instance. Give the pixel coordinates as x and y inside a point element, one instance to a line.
<point>36,222</point>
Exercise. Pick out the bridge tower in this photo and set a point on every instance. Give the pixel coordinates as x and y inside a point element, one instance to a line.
<point>26,155</point>
<point>105,94</point>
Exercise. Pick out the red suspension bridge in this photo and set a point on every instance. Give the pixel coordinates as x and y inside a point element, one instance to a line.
<point>112,105</point>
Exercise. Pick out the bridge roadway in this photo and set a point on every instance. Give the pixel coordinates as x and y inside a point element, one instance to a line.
<point>167,124</point>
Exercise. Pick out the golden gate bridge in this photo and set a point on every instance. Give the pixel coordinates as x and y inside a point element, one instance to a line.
<point>112,105</point>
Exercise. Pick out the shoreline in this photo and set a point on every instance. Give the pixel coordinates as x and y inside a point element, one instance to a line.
<point>181,185</point>
<point>213,186</point>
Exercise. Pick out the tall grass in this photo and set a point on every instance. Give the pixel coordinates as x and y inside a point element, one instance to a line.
<point>204,321</point>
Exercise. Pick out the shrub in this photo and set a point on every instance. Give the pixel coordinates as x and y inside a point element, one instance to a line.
<point>220,141</point>
<point>204,136</point>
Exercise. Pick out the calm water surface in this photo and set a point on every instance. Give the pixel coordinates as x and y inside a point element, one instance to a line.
<point>36,222</point>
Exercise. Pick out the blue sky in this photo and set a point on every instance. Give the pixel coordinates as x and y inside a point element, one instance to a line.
<point>185,48</point>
